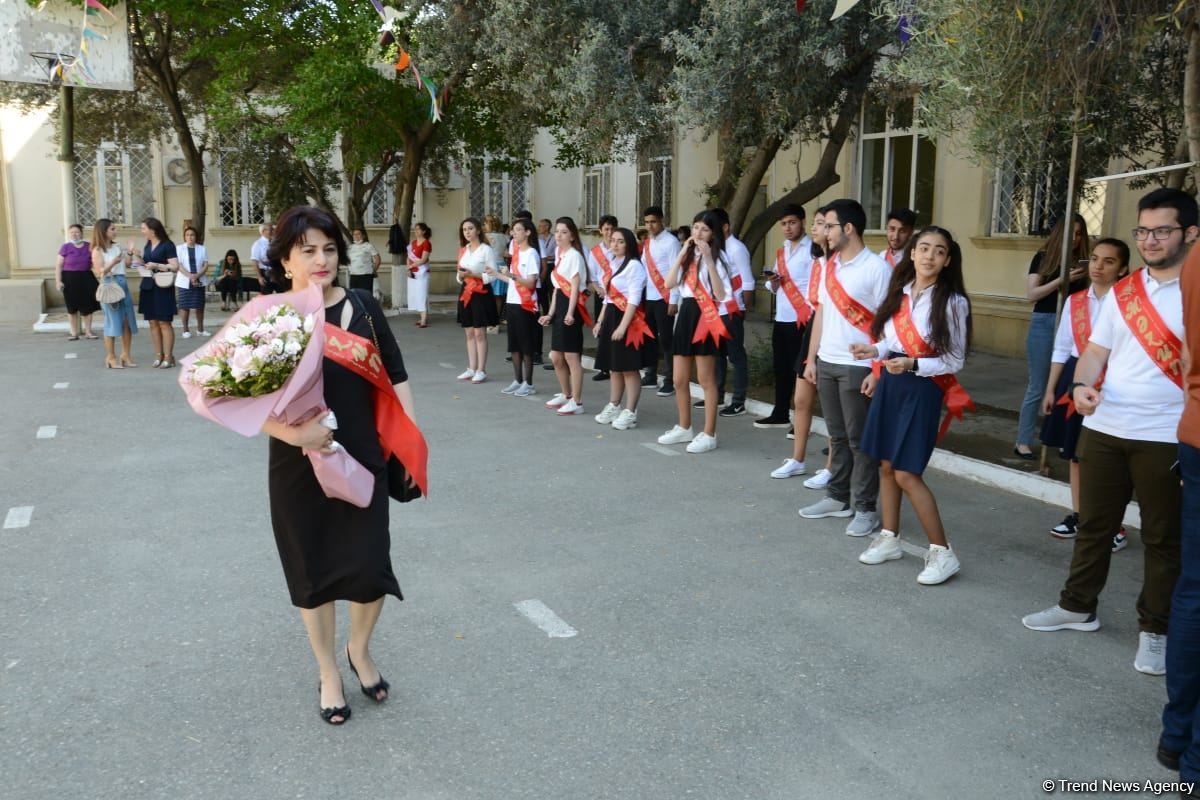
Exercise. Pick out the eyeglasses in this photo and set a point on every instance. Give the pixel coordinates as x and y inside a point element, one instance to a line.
<point>1160,234</point>
<point>829,225</point>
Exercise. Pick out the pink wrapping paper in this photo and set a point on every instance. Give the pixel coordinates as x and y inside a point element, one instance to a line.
<point>301,397</point>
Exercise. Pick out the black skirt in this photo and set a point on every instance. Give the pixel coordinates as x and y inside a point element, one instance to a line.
<point>563,337</point>
<point>1057,430</point>
<point>620,357</point>
<point>802,355</point>
<point>522,329</point>
<point>156,303</point>
<point>685,328</point>
<point>365,283</point>
<point>479,311</point>
<point>902,423</point>
<point>79,290</point>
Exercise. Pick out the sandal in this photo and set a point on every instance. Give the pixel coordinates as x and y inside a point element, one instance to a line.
<point>90,336</point>
<point>328,714</point>
<point>158,361</point>
<point>167,363</point>
<point>74,338</point>
<point>370,691</point>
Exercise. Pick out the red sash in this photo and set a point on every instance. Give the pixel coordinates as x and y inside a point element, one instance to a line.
<point>638,329</point>
<point>956,397</point>
<point>710,323</point>
<point>398,434</point>
<point>889,258</point>
<point>602,260</point>
<point>791,291</point>
<point>814,284</point>
<point>564,286</point>
<point>656,277</point>
<point>1081,330</point>
<point>731,305</point>
<point>412,269</point>
<point>1148,327</point>
<point>525,292</point>
<point>855,312</point>
<point>471,284</point>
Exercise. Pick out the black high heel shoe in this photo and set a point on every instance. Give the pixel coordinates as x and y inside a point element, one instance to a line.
<point>328,714</point>
<point>370,691</point>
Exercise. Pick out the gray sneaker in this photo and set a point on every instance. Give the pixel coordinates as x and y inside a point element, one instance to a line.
<point>1057,618</point>
<point>828,507</point>
<point>864,523</point>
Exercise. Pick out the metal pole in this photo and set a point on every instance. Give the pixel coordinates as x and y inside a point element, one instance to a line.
<point>66,153</point>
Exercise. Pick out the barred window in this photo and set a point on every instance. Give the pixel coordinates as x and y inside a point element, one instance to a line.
<point>242,202</point>
<point>1026,200</point>
<point>496,192</point>
<point>382,207</point>
<point>597,194</point>
<point>896,162</point>
<point>113,183</point>
<point>654,165</point>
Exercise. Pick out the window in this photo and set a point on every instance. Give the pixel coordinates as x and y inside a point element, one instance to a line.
<point>654,176</point>
<point>242,203</point>
<point>383,202</point>
<point>113,183</point>
<point>496,192</point>
<point>1027,200</point>
<point>896,164</point>
<point>597,194</point>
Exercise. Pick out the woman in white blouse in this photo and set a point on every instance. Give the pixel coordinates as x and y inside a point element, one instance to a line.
<point>521,309</point>
<point>623,332</point>
<point>566,317</point>
<point>927,297</point>
<point>476,310</point>
<point>190,281</point>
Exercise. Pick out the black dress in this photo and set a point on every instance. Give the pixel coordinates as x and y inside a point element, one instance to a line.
<point>156,302</point>
<point>331,549</point>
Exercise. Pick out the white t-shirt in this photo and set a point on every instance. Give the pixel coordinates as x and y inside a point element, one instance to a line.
<point>362,258</point>
<point>739,260</point>
<point>1064,337</point>
<point>1139,402</point>
<point>942,363</point>
<point>663,250</point>
<point>629,281</point>
<point>258,252</point>
<point>527,267</point>
<point>112,252</point>
<point>798,261</point>
<point>865,278</point>
<point>569,264</point>
<point>476,262</point>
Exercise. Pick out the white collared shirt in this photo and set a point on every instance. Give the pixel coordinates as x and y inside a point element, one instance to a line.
<point>1064,337</point>
<point>865,278</point>
<point>258,252</point>
<point>547,246</point>
<point>664,249</point>
<point>476,261</point>
<point>528,266</point>
<point>897,256</point>
<point>920,309</point>
<point>739,261</point>
<point>629,281</point>
<point>706,281</point>
<point>798,262</point>
<point>569,265</point>
<point>595,271</point>
<point>1139,402</point>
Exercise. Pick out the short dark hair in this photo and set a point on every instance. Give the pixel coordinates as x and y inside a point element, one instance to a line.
<point>1183,203</point>
<point>290,230</point>
<point>1121,247</point>
<point>428,231</point>
<point>524,213</point>
<point>849,212</point>
<point>363,231</point>
<point>608,219</point>
<point>75,225</point>
<point>721,214</point>
<point>792,210</point>
<point>156,227</point>
<point>192,229</point>
<point>654,211</point>
<point>905,216</point>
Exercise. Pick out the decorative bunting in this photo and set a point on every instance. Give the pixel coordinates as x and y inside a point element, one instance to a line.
<point>391,18</point>
<point>842,8</point>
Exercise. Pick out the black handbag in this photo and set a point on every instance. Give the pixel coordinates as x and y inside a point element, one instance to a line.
<point>400,488</point>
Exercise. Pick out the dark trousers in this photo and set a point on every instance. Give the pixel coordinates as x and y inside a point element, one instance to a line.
<point>845,408</point>
<point>1181,717</point>
<point>735,353</point>
<point>364,282</point>
<point>543,297</point>
<point>1111,470</point>
<point>786,340</point>
<point>662,325</point>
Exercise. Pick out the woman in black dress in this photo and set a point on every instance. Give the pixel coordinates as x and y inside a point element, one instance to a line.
<point>332,550</point>
<point>157,303</point>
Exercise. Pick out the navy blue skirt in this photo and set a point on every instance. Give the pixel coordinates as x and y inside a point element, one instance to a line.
<point>156,303</point>
<point>1057,430</point>
<point>902,424</point>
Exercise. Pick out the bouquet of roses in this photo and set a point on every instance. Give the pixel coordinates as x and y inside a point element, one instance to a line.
<point>266,363</point>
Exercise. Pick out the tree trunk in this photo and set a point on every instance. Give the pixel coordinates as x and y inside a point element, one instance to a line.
<point>750,180</point>
<point>195,161</point>
<point>727,179</point>
<point>408,183</point>
<point>1191,98</point>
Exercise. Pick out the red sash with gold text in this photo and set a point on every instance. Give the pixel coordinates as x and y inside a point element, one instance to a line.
<point>1147,326</point>
<point>710,323</point>
<point>398,434</point>
<point>564,286</point>
<point>956,397</point>
<point>638,329</point>
<point>855,312</point>
<point>656,277</point>
<point>791,291</point>
<point>526,294</point>
<point>1081,331</point>
<point>814,283</point>
<point>471,284</point>
<point>602,260</point>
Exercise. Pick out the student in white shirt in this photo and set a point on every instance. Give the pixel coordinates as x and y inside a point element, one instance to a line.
<point>547,248</point>
<point>1109,263</point>
<point>476,309</point>
<point>623,332</point>
<point>1130,441</point>
<point>702,274</point>
<point>844,385</point>
<point>521,309</point>
<point>600,261</point>
<point>900,225</point>
<point>258,254</point>
<point>927,293</point>
<point>788,330</point>
<point>658,253</point>
<point>567,316</point>
<point>741,278</point>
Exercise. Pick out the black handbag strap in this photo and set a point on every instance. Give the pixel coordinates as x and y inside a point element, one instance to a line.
<point>357,302</point>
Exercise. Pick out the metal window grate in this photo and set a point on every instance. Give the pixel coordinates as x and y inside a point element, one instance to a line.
<point>141,184</point>
<point>86,208</point>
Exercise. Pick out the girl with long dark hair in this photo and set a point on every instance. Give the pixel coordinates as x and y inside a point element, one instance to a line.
<point>701,272</point>
<point>521,309</point>
<point>622,330</point>
<point>567,316</point>
<point>476,309</point>
<point>230,280</point>
<point>923,329</point>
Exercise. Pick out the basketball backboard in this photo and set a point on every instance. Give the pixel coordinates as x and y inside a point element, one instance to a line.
<point>76,42</point>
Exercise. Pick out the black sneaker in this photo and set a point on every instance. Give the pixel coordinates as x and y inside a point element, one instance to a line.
<point>537,360</point>
<point>791,434</point>
<point>1168,758</point>
<point>508,358</point>
<point>666,390</point>
<point>548,366</point>
<point>649,379</point>
<point>698,404</point>
<point>824,451</point>
<point>732,410</point>
<point>600,376</point>
<point>1066,528</point>
<point>772,422</point>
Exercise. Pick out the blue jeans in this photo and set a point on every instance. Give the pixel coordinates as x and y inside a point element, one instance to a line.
<point>1039,345</point>
<point>1181,716</point>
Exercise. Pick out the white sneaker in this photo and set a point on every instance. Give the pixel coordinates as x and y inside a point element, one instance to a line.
<point>187,334</point>
<point>676,435</point>
<point>466,376</point>
<point>559,399</point>
<point>791,467</point>
<point>570,408</point>
<point>511,388</point>
<point>525,390</point>
<point>1152,654</point>
<point>885,547</point>
<point>625,420</point>
<point>479,377</point>
<point>864,523</point>
<point>940,565</point>
<point>827,507</point>
<point>611,411</point>
<point>204,333</point>
<point>702,443</point>
<point>820,480</point>
<point>1057,618</point>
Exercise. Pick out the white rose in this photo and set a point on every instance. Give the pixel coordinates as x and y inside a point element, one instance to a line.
<point>262,353</point>
<point>277,345</point>
<point>204,374</point>
<point>310,322</point>
<point>292,347</point>
<point>286,323</point>
<point>242,363</point>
